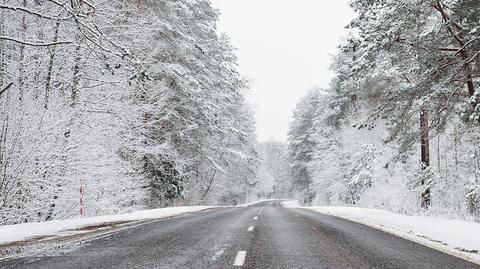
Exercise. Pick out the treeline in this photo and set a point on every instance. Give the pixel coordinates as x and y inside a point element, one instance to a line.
<point>398,126</point>
<point>139,103</point>
<point>273,173</point>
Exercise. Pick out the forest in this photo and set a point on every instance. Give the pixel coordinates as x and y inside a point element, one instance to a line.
<point>112,106</point>
<point>397,128</point>
<point>239,134</point>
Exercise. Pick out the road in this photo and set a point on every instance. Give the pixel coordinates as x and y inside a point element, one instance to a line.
<point>264,235</point>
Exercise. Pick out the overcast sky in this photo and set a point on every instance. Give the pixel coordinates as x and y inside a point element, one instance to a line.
<point>284,48</point>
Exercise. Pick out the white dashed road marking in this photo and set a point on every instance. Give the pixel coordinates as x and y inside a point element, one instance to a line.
<point>240,259</point>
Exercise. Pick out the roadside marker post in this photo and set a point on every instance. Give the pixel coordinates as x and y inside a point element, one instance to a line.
<point>81,197</point>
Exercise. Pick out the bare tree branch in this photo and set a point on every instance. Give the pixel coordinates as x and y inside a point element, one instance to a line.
<point>473,57</point>
<point>449,49</point>
<point>35,43</point>
<point>6,88</point>
<point>14,8</point>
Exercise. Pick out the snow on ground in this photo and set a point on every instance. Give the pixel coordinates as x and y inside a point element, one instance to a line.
<point>259,201</point>
<point>26,231</point>
<point>457,237</point>
<point>291,203</point>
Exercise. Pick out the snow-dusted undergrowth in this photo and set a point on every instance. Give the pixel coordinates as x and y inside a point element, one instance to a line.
<point>460,238</point>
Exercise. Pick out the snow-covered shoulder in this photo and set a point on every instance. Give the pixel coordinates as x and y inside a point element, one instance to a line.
<point>457,237</point>
<point>26,231</point>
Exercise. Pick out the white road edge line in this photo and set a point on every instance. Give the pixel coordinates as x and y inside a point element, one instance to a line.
<point>240,259</point>
<point>255,218</point>
<point>250,229</point>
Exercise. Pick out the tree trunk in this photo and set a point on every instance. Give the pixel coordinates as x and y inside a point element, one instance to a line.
<point>439,164</point>
<point>212,178</point>
<point>425,152</point>
<point>3,79</point>
<point>21,75</point>
<point>468,73</point>
<point>48,84</point>
<point>76,75</point>
<point>457,34</point>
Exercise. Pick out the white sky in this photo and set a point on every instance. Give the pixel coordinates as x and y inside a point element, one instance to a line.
<point>284,48</point>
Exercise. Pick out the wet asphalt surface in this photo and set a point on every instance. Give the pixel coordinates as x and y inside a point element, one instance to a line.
<point>281,238</point>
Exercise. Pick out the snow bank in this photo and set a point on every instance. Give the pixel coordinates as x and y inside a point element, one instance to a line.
<point>26,231</point>
<point>457,237</point>
<point>259,201</point>
<point>291,203</point>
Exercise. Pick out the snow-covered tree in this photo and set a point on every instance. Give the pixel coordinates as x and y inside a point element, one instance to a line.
<point>140,102</point>
<point>405,80</point>
<point>273,173</point>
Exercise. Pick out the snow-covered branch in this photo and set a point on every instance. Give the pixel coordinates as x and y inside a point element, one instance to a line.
<point>35,43</point>
<point>26,10</point>
<point>5,88</point>
<point>145,128</point>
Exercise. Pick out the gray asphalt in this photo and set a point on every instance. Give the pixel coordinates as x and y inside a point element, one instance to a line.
<point>282,238</point>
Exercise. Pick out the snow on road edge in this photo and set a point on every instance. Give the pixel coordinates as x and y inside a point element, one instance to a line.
<point>459,238</point>
<point>26,231</point>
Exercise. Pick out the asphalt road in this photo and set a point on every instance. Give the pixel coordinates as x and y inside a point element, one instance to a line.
<point>220,238</point>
